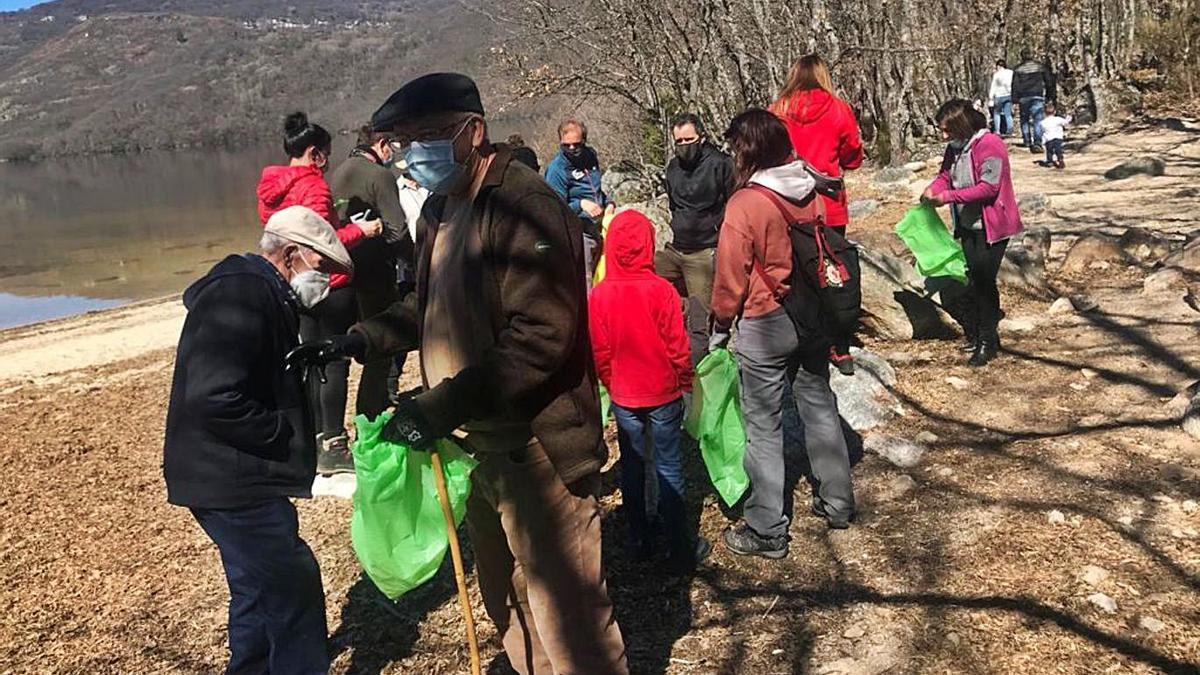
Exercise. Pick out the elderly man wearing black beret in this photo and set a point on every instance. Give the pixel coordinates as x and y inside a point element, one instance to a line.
<point>501,324</point>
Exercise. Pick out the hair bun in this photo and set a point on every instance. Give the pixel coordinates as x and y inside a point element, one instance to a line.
<point>295,124</point>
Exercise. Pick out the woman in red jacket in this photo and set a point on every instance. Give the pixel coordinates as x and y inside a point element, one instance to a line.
<point>824,133</point>
<point>302,181</point>
<point>644,360</point>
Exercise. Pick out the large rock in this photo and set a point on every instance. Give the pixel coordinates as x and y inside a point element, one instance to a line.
<point>1146,246</point>
<point>623,187</point>
<point>893,174</point>
<point>1024,263</point>
<point>1032,203</point>
<point>1163,280</point>
<point>865,399</point>
<point>1186,258</point>
<point>860,208</point>
<point>1191,415</point>
<point>1092,248</point>
<point>1149,166</point>
<point>896,300</point>
<point>899,451</point>
<point>659,213</point>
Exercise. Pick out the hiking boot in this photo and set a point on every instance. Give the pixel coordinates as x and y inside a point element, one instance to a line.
<point>743,540</point>
<point>985,352</point>
<point>843,362</point>
<point>333,455</point>
<point>687,562</point>
<point>969,343</point>
<point>1037,148</point>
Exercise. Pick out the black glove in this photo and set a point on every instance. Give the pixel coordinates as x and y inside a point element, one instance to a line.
<point>327,350</point>
<point>409,426</point>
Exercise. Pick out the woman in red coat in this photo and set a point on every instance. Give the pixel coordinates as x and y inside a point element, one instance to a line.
<point>824,134</point>
<point>302,181</point>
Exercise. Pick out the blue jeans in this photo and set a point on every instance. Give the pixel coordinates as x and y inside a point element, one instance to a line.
<point>1054,151</point>
<point>1033,109</point>
<point>1002,108</point>
<point>661,426</point>
<point>276,602</point>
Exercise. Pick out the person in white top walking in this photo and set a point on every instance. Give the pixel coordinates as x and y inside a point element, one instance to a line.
<point>1000,98</point>
<point>1053,132</point>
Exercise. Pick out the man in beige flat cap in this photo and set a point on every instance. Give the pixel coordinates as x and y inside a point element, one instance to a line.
<point>240,439</point>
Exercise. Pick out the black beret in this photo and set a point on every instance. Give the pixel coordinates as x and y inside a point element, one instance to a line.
<point>426,95</point>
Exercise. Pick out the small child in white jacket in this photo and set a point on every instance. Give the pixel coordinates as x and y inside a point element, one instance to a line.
<point>1053,132</point>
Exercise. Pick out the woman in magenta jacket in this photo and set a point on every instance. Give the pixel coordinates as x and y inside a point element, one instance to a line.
<point>975,180</point>
<point>824,133</point>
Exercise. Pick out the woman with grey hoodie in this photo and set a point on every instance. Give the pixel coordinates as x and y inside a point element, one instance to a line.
<point>754,266</point>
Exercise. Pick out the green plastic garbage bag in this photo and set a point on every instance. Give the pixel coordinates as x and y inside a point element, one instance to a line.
<point>937,252</point>
<point>715,420</point>
<point>398,530</point>
<point>605,405</point>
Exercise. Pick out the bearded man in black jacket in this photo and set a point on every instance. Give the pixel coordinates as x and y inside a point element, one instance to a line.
<point>699,182</point>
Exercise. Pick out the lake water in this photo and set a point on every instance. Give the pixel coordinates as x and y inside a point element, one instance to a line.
<point>90,233</point>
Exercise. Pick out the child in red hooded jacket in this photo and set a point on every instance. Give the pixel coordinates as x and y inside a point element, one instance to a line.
<point>644,360</point>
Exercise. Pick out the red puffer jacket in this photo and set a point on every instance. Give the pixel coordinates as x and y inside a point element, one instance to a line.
<point>284,186</point>
<point>824,133</point>
<point>636,321</point>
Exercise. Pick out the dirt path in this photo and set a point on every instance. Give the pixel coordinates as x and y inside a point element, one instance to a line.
<point>1055,475</point>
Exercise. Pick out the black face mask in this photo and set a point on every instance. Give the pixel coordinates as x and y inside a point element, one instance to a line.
<point>581,157</point>
<point>688,154</point>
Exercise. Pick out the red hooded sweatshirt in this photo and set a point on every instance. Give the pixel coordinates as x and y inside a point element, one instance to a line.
<point>636,321</point>
<point>284,186</point>
<point>824,133</point>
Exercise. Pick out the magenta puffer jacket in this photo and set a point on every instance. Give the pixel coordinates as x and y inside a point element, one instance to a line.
<point>1001,217</point>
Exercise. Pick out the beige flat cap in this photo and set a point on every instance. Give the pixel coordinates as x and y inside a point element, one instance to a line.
<point>302,225</point>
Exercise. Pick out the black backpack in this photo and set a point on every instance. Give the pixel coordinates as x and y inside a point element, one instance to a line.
<point>825,296</point>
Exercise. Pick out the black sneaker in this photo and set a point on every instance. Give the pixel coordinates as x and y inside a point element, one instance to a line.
<point>334,456</point>
<point>742,540</point>
<point>685,563</point>
<point>984,353</point>
<point>1036,149</point>
<point>969,343</point>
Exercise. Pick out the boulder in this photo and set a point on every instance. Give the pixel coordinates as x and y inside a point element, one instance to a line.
<point>1191,414</point>
<point>899,451</point>
<point>1061,306</point>
<point>1032,203</point>
<point>896,300</point>
<point>865,399</point>
<point>1146,246</point>
<point>1148,166</point>
<point>1024,264</point>
<point>1186,258</point>
<point>1163,280</point>
<point>892,175</point>
<point>623,187</point>
<point>659,213</point>
<point>860,208</point>
<point>1090,248</point>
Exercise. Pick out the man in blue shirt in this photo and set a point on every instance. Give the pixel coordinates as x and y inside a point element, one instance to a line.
<point>575,175</point>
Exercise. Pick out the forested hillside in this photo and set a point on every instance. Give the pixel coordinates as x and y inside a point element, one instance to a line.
<point>82,77</point>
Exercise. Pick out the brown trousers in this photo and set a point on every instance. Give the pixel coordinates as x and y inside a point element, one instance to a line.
<point>537,553</point>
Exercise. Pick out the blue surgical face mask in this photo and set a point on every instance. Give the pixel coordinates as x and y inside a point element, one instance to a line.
<point>432,163</point>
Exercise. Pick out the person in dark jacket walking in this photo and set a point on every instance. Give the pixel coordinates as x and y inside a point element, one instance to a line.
<point>1032,86</point>
<point>643,359</point>
<point>364,188</point>
<point>501,324</point>
<point>699,181</point>
<point>239,438</point>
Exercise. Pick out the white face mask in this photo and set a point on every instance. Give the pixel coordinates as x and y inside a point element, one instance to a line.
<point>311,286</point>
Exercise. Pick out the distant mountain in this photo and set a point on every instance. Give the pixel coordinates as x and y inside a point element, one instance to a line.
<point>81,76</point>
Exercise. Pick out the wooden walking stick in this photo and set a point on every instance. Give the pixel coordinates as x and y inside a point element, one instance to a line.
<point>460,578</point>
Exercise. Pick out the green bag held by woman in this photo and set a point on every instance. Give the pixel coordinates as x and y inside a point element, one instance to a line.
<point>398,530</point>
<point>938,253</point>
<point>715,420</point>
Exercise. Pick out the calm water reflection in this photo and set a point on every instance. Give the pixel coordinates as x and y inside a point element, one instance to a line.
<point>82,234</point>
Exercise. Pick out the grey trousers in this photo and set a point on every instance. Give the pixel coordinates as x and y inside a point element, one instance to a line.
<point>768,354</point>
